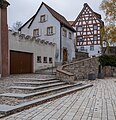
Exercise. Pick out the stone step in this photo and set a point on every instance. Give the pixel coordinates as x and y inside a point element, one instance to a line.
<point>39,83</point>
<point>36,88</point>
<point>38,79</point>
<point>7,110</point>
<point>22,96</point>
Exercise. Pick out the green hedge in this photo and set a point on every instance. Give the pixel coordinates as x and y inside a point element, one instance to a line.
<point>108,60</point>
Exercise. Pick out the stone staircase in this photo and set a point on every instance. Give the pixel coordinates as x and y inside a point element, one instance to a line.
<point>29,92</point>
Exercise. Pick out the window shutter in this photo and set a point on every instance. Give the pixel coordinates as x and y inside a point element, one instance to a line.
<point>45,31</point>
<point>54,30</point>
<point>40,32</point>
<point>46,17</point>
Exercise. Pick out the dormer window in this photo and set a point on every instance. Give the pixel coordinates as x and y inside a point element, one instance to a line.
<point>43,18</point>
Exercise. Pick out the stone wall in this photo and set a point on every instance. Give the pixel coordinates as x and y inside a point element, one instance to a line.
<point>78,70</point>
<point>64,75</point>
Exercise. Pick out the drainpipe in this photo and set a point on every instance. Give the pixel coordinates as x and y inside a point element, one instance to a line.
<point>60,42</point>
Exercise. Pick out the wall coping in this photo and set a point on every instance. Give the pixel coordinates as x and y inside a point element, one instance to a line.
<point>30,38</point>
<point>65,72</point>
<point>78,62</point>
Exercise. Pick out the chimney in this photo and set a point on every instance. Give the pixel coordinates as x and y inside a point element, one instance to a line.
<point>4,47</point>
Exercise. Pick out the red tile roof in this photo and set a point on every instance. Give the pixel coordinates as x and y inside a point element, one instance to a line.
<point>98,16</point>
<point>58,16</point>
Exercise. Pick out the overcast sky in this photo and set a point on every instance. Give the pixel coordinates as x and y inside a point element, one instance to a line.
<point>22,10</point>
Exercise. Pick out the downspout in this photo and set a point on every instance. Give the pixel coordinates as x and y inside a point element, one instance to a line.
<point>60,42</point>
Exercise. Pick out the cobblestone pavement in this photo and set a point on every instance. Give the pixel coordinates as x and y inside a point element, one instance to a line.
<point>94,103</point>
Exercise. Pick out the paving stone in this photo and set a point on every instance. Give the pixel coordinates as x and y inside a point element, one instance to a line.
<point>87,104</point>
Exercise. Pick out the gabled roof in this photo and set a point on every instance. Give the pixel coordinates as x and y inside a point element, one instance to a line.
<point>98,16</point>
<point>55,14</point>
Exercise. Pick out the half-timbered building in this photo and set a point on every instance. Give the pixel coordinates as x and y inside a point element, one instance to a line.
<point>88,25</point>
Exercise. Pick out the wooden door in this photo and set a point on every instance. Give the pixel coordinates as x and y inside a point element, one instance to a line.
<point>21,62</point>
<point>64,54</point>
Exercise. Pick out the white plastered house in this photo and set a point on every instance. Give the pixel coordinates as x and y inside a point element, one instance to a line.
<point>47,24</point>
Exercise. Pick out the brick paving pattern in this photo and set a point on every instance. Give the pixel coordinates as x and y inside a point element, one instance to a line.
<point>94,103</point>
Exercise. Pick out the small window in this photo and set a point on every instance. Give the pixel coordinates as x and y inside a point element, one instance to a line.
<point>64,33</point>
<point>82,48</point>
<point>42,18</point>
<point>50,30</point>
<point>36,32</point>
<point>45,60</point>
<point>50,60</point>
<point>70,35</point>
<point>38,59</point>
<point>95,27</point>
<point>95,38</point>
<point>79,28</point>
<point>80,38</point>
<point>91,48</point>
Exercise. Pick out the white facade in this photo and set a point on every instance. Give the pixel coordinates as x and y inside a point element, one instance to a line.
<point>37,47</point>
<point>56,37</point>
<point>94,50</point>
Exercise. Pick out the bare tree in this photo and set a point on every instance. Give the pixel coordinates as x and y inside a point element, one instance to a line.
<point>16,26</point>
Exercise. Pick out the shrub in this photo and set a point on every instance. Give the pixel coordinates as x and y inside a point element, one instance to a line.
<point>108,60</point>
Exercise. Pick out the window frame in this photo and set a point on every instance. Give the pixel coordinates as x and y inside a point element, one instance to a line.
<point>36,32</point>
<point>82,48</point>
<point>95,27</point>
<point>64,32</point>
<point>78,28</point>
<point>50,61</point>
<point>43,18</point>
<point>91,47</point>
<point>39,61</point>
<point>50,30</point>
<point>80,38</point>
<point>44,59</point>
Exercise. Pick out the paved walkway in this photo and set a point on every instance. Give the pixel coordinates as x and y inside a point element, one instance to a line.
<point>94,103</point>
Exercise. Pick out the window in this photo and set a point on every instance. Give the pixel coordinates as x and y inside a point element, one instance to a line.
<point>91,48</point>
<point>45,60</point>
<point>70,35</point>
<point>79,28</point>
<point>64,33</point>
<point>95,27</point>
<point>80,38</point>
<point>82,48</point>
<point>50,60</point>
<point>36,32</point>
<point>50,30</point>
<point>42,18</point>
<point>38,59</point>
<point>95,37</point>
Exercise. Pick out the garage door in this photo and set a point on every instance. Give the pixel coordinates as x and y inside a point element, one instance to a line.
<point>21,62</point>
